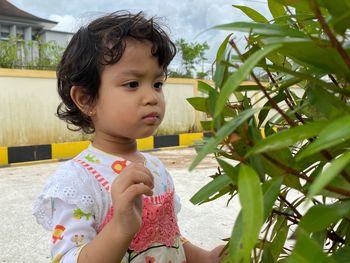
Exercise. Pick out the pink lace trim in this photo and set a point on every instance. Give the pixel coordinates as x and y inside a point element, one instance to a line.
<point>158,223</point>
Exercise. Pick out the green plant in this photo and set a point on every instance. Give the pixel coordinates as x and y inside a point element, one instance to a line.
<point>17,53</point>
<point>286,150</point>
<point>8,53</point>
<point>192,56</point>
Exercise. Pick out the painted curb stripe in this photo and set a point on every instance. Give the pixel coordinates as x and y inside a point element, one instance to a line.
<point>26,155</point>
<point>166,141</point>
<point>34,154</point>
<point>3,156</point>
<point>29,153</point>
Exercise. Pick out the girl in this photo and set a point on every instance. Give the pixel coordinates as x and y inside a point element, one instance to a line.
<point>112,203</point>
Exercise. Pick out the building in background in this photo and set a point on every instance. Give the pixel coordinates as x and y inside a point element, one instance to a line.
<point>18,23</point>
<point>27,29</point>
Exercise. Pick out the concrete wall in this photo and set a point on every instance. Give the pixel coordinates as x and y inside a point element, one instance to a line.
<point>28,101</point>
<point>61,38</point>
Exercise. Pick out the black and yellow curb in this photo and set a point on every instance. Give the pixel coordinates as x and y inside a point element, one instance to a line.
<point>45,153</point>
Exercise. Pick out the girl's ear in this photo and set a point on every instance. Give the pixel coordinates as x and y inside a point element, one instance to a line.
<point>81,100</point>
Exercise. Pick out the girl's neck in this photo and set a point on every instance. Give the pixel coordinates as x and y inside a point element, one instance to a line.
<point>122,147</point>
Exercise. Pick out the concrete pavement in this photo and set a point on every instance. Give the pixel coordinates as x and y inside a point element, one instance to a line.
<point>22,240</point>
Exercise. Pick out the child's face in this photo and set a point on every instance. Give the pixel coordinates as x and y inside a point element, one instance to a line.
<point>130,103</point>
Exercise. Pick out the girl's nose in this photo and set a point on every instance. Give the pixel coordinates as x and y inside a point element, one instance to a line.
<point>150,97</point>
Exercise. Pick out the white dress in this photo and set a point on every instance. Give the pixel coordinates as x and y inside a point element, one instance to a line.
<point>75,204</point>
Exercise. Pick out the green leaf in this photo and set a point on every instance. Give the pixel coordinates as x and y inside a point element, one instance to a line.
<point>199,103</point>
<point>221,69</point>
<point>326,102</point>
<point>210,189</point>
<point>306,76</point>
<point>235,245</point>
<point>205,87</point>
<point>261,29</point>
<point>251,13</point>
<point>285,157</point>
<point>287,137</point>
<point>295,3</point>
<point>206,125</point>
<point>237,77</point>
<point>311,53</point>
<point>313,222</point>
<point>332,134</point>
<point>308,250</point>
<point>220,55</point>
<point>231,171</point>
<point>271,190</point>
<point>225,130</point>
<point>267,254</point>
<point>340,11</point>
<point>251,199</point>
<point>279,240</point>
<point>329,174</point>
<point>342,255</point>
<point>277,11</point>
<point>267,107</point>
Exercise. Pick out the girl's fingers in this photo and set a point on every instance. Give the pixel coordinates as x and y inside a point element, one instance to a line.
<point>133,174</point>
<point>135,191</point>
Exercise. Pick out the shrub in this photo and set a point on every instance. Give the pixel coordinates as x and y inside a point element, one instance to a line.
<point>283,146</point>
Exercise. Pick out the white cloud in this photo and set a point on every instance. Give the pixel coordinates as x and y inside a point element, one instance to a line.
<point>186,19</point>
<point>66,23</point>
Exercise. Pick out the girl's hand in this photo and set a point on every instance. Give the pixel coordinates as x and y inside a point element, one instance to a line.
<point>127,190</point>
<point>214,255</point>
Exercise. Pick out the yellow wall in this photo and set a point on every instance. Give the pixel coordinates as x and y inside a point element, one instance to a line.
<point>28,107</point>
<point>29,101</point>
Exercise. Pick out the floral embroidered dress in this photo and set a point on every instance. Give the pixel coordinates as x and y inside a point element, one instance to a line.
<point>76,204</point>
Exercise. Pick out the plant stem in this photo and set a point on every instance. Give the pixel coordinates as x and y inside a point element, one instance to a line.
<point>296,212</point>
<point>288,102</point>
<point>289,217</point>
<point>265,236</point>
<point>301,175</point>
<point>262,88</point>
<point>335,43</point>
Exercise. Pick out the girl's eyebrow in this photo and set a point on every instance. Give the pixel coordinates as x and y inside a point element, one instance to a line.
<point>137,73</point>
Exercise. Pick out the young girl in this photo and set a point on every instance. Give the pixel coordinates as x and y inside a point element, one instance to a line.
<point>112,203</point>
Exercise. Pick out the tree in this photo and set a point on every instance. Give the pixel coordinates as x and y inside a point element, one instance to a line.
<point>192,56</point>
<point>293,179</point>
<point>17,53</point>
<point>8,53</point>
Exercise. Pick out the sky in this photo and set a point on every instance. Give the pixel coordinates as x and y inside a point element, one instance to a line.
<point>188,19</point>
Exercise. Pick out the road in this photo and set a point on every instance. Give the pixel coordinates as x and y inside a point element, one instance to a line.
<point>22,240</point>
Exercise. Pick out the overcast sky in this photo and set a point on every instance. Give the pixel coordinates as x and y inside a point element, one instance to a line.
<point>184,18</point>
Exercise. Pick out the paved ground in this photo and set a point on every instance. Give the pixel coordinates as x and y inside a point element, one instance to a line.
<point>22,240</point>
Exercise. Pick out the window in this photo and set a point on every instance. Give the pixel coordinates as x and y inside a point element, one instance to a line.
<point>4,31</point>
<point>4,35</point>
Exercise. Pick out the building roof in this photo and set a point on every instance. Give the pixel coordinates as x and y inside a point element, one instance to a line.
<point>8,9</point>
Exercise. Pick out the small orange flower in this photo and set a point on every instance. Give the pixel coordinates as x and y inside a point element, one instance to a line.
<point>150,259</point>
<point>118,166</point>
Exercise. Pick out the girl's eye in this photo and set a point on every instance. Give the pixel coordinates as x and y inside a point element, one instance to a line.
<point>158,85</point>
<point>132,85</point>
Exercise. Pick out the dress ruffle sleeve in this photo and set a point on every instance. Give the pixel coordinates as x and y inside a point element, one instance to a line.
<point>71,184</point>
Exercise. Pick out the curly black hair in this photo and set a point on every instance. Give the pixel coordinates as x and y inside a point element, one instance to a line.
<point>96,45</point>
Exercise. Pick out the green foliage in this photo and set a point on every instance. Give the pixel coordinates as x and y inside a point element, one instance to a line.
<point>192,56</point>
<point>293,182</point>
<point>17,53</point>
<point>8,53</point>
